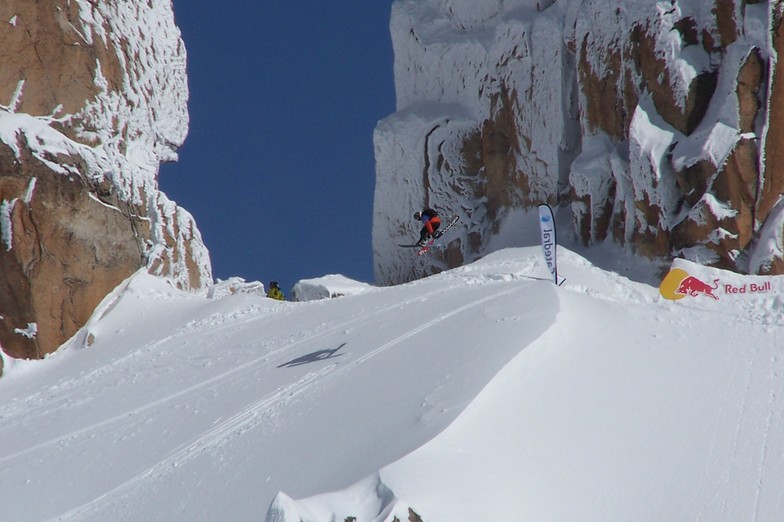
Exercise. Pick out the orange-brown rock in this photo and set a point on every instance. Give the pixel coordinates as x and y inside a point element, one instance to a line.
<point>773,183</point>
<point>731,185</point>
<point>92,98</point>
<point>65,252</point>
<point>657,125</point>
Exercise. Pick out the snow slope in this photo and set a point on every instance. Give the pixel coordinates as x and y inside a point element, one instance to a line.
<point>482,393</point>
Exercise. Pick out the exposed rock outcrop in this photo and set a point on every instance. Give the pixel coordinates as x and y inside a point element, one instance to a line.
<point>96,98</point>
<point>654,125</point>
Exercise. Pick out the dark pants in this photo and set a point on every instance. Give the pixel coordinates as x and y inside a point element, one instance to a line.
<point>424,235</point>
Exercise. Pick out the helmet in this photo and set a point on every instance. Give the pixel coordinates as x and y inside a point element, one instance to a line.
<point>273,284</point>
<point>417,215</point>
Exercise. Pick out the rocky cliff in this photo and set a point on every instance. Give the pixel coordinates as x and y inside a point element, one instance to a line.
<point>93,96</point>
<point>652,125</point>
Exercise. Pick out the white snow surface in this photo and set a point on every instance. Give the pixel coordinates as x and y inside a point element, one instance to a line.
<point>327,287</point>
<point>481,393</point>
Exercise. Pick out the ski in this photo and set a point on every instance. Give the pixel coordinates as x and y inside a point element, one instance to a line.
<point>449,225</point>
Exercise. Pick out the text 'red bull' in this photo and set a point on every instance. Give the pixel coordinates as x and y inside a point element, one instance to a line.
<point>751,288</point>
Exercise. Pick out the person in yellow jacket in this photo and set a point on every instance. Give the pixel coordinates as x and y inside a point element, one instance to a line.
<point>275,292</point>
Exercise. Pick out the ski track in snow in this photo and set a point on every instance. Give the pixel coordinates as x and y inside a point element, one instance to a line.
<point>764,455</point>
<point>62,394</point>
<point>740,406</point>
<point>737,433</point>
<point>254,413</point>
<point>242,421</point>
<point>432,323</point>
<point>51,405</point>
<point>715,492</point>
<point>58,395</point>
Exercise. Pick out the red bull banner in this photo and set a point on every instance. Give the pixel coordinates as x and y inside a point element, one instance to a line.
<point>690,281</point>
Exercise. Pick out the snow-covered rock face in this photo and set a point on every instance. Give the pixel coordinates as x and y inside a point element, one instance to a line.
<point>651,124</point>
<point>93,96</point>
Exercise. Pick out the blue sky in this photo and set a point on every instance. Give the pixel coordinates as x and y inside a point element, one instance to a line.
<point>278,167</point>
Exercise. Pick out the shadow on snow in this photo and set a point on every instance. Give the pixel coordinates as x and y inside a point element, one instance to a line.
<point>313,357</point>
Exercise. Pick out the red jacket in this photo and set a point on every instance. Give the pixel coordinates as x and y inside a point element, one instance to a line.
<point>430,218</point>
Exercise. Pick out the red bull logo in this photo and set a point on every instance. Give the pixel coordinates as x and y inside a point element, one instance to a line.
<point>692,286</point>
<point>679,284</point>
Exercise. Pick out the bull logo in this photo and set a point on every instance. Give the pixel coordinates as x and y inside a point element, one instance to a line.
<point>679,284</point>
<point>692,286</point>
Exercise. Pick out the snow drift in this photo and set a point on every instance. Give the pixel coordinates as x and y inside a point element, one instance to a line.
<point>484,392</point>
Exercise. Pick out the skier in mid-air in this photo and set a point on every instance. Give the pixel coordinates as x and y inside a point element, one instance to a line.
<point>431,229</point>
<point>430,223</point>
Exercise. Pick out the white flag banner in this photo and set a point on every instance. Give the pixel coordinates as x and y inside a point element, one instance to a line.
<point>549,242</point>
